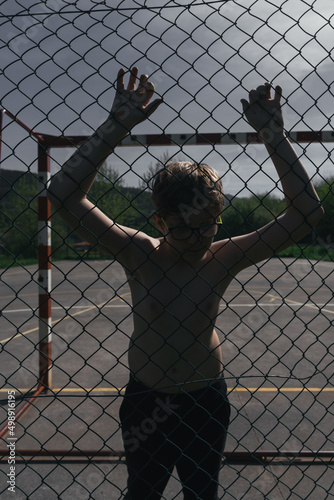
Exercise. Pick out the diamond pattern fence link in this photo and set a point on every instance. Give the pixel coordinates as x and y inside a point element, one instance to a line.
<point>67,304</point>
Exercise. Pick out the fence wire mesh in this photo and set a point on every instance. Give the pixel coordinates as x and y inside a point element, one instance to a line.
<point>61,436</point>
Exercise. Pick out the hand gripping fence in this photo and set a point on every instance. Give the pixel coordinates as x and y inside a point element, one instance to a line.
<point>66,311</point>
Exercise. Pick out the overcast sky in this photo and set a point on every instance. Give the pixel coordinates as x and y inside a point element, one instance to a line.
<point>59,60</point>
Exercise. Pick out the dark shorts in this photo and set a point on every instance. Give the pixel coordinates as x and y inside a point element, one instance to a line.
<point>185,430</point>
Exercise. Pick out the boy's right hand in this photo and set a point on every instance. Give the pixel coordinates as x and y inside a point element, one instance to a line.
<point>132,105</point>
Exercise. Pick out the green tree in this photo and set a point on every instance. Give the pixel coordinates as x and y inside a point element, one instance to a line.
<point>154,168</point>
<point>18,219</point>
<point>110,195</point>
<point>133,207</point>
<point>243,215</point>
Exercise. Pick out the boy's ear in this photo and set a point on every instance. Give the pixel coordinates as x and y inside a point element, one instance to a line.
<point>158,222</point>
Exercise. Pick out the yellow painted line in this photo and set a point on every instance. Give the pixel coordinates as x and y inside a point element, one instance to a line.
<point>230,389</point>
<point>54,292</point>
<point>68,316</point>
<point>283,389</point>
<point>66,389</point>
<point>3,342</point>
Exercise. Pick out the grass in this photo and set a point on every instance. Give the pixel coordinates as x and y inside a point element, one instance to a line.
<point>309,252</point>
<point>7,262</point>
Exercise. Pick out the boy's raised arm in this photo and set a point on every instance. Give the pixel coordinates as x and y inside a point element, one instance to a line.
<point>303,207</point>
<point>69,187</point>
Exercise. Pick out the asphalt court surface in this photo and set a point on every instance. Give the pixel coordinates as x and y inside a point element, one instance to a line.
<point>276,328</point>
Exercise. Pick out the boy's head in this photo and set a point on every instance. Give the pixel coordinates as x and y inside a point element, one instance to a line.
<point>186,189</point>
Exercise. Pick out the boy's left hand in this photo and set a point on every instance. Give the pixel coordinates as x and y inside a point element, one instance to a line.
<point>263,112</point>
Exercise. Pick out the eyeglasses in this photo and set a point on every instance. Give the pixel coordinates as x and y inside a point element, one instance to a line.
<point>185,232</point>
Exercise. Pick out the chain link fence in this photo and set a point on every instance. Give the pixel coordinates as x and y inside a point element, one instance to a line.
<point>66,308</point>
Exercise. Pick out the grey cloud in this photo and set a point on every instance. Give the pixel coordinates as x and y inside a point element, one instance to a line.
<point>59,69</point>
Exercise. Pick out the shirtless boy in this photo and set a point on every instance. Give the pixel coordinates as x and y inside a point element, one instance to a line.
<point>175,411</point>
